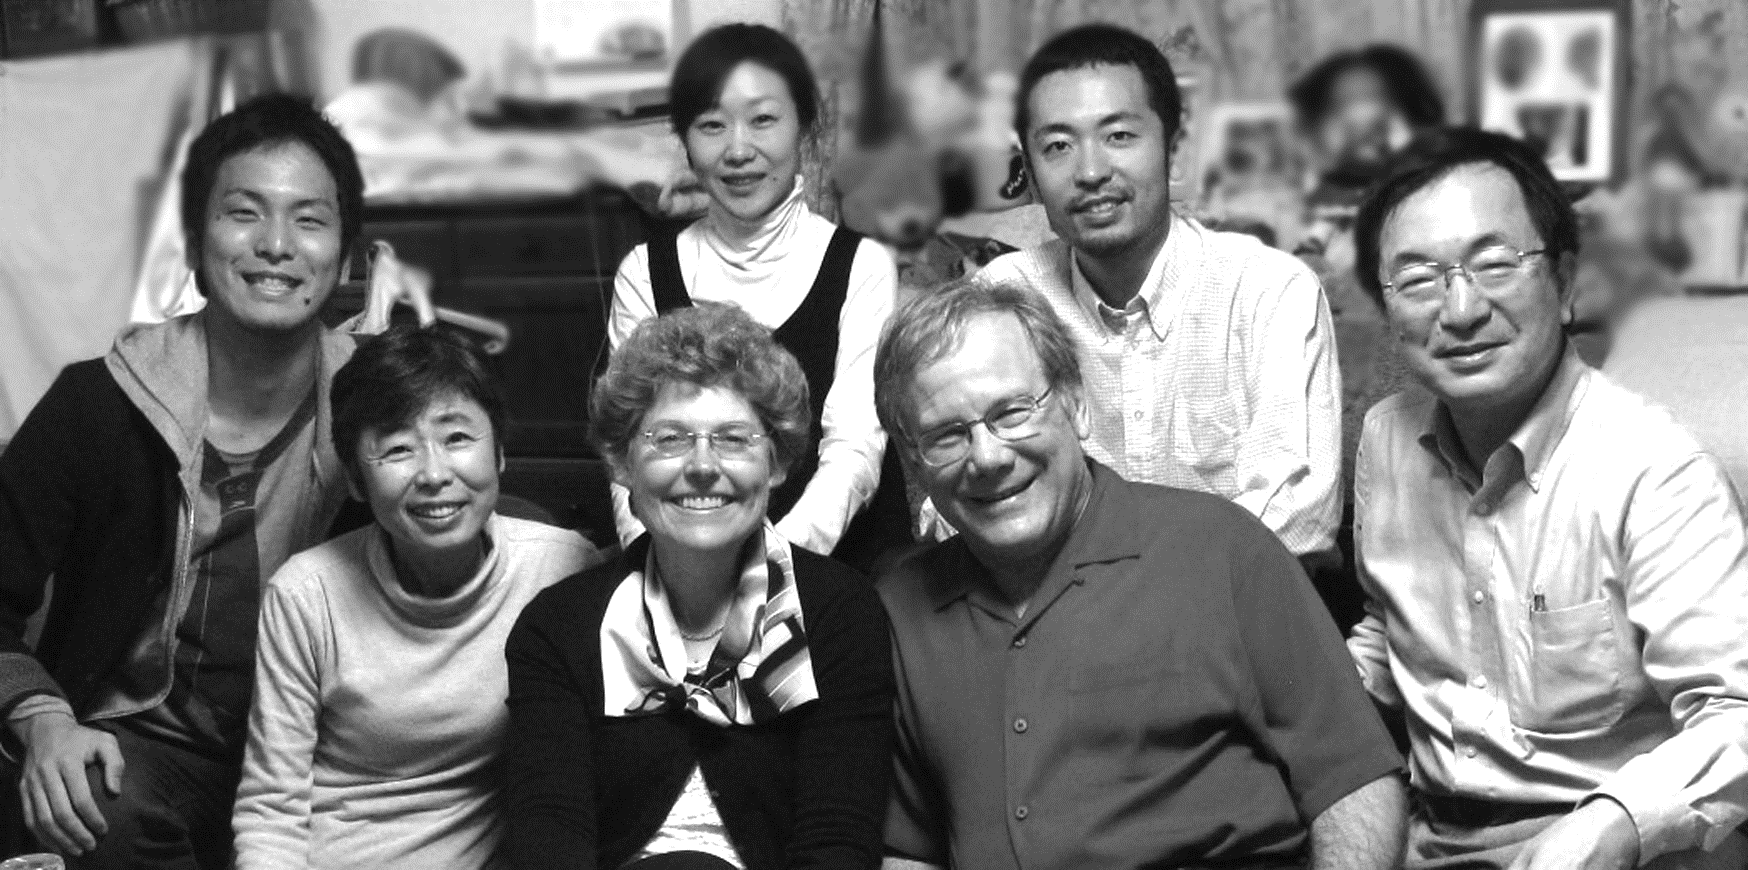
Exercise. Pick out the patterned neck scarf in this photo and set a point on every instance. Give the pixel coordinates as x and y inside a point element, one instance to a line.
<point>760,667</point>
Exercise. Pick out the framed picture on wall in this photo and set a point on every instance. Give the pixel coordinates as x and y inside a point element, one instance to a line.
<point>1554,73</point>
<point>1250,170</point>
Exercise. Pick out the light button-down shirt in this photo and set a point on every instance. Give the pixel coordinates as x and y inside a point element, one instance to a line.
<point>1572,621</point>
<point>1219,375</point>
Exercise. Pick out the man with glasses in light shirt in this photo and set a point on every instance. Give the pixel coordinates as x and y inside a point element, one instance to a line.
<point>1557,572</point>
<point>1097,672</point>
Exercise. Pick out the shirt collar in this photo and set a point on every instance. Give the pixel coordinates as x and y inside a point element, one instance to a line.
<point>1091,541</point>
<point>1535,438</point>
<point>1158,299</point>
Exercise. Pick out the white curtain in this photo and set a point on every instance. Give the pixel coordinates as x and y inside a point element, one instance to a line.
<point>85,141</point>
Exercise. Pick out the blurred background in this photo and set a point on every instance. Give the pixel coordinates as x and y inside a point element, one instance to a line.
<point>516,149</point>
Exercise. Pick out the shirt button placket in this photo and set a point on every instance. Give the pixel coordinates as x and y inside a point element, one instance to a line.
<point>1019,762</point>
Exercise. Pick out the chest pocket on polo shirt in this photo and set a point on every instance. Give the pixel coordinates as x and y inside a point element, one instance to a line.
<point>1574,670</point>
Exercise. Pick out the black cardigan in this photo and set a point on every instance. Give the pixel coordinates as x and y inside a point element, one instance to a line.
<point>88,494</point>
<point>808,789</point>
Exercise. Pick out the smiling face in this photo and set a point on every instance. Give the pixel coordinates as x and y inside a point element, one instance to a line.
<point>270,253</point>
<point>698,501</point>
<point>1014,501</point>
<point>747,149</point>
<point>1100,156</point>
<point>1485,353</point>
<point>432,485</point>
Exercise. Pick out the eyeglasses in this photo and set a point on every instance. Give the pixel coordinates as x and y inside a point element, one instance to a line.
<point>729,442</point>
<point>1013,420</point>
<point>1496,268</point>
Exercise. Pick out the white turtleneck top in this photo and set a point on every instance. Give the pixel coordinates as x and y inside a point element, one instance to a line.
<point>766,267</point>
<point>378,713</point>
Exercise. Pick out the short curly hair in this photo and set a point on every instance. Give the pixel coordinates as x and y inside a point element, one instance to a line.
<point>711,344</point>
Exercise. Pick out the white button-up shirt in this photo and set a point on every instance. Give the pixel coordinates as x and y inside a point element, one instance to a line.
<point>1573,620</point>
<point>1219,376</point>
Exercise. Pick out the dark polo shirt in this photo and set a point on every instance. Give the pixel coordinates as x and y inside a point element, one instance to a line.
<point>1176,694</point>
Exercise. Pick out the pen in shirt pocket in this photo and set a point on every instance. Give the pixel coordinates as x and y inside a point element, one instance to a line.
<point>1538,601</point>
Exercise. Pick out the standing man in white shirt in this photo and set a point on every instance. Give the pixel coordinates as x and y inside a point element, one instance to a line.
<point>1558,572</point>
<point>1209,357</point>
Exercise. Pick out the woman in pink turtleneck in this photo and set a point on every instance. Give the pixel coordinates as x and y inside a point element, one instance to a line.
<point>744,100</point>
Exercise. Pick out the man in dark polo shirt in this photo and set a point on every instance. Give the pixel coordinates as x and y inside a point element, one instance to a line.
<point>1098,673</point>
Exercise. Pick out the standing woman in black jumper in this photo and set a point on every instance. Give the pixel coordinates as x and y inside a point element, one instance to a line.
<point>744,101</point>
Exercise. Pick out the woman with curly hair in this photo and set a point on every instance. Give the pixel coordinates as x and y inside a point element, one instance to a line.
<point>715,694</point>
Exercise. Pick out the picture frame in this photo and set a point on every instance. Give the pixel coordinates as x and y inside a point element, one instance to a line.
<point>591,36</point>
<point>1250,168</point>
<point>1555,74</point>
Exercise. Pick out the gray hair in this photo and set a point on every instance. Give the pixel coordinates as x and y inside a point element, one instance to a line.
<point>932,325</point>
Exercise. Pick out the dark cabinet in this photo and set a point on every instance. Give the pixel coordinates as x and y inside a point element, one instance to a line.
<point>545,269</point>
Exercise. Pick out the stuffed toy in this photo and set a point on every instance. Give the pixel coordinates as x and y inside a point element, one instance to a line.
<point>930,144</point>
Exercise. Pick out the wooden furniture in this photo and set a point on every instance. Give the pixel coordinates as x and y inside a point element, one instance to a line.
<point>29,28</point>
<point>545,268</point>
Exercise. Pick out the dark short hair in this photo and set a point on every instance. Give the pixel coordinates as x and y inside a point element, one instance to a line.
<point>711,344</point>
<point>1109,45</point>
<point>930,326</point>
<point>1434,154</point>
<point>393,377</point>
<point>263,122</point>
<point>703,69</point>
<point>1405,79</point>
